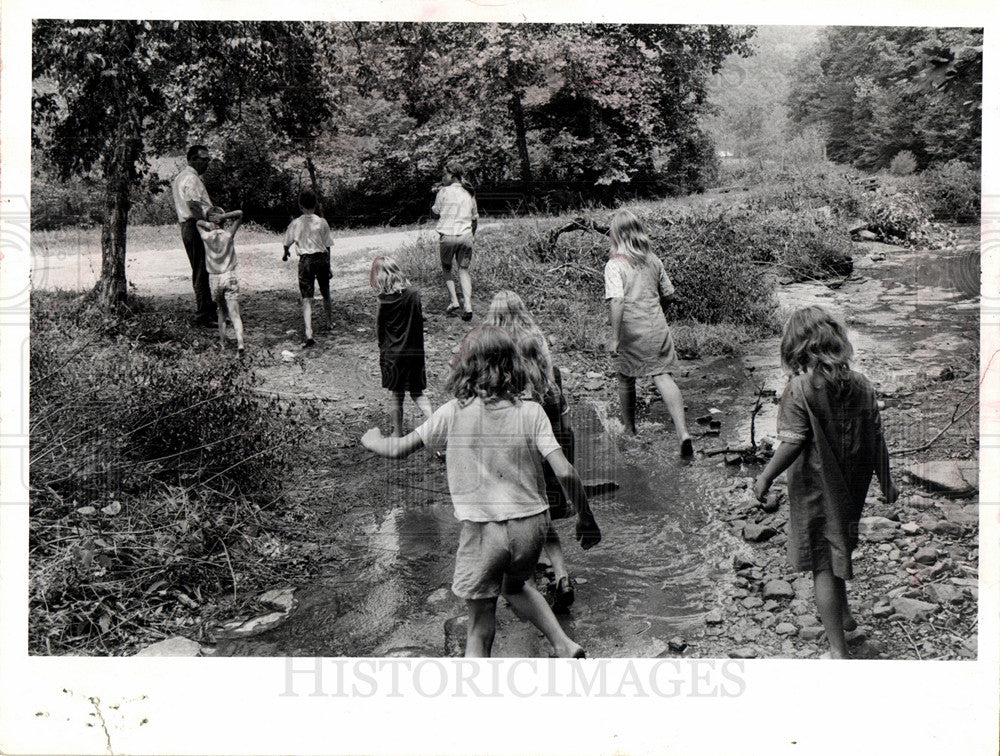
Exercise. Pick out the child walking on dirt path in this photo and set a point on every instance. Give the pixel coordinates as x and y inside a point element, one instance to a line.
<point>507,311</point>
<point>399,325</point>
<point>495,443</point>
<point>310,235</point>
<point>220,263</point>
<point>636,287</point>
<point>831,443</point>
<point>455,206</point>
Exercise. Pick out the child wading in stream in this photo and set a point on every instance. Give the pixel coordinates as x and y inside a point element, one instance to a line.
<point>399,325</point>
<point>495,443</point>
<point>831,443</point>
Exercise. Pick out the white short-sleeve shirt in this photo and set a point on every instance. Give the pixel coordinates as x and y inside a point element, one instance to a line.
<point>456,208</point>
<point>309,233</point>
<point>187,186</point>
<point>494,453</point>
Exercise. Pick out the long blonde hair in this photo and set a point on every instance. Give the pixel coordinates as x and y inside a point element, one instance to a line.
<point>814,340</point>
<point>508,311</point>
<point>628,238</point>
<point>386,277</point>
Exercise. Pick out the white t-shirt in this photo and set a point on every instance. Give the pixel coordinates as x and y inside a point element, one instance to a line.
<point>494,453</point>
<point>187,187</point>
<point>309,233</point>
<point>220,253</point>
<point>456,208</point>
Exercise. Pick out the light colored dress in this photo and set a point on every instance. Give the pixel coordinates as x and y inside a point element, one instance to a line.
<point>645,347</point>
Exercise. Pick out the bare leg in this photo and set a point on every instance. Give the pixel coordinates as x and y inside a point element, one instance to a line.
<point>449,284</point>
<point>423,404</point>
<point>626,394</point>
<point>234,315</point>
<point>528,602</point>
<point>675,403</point>
<point>307,316</point>
<point>482,627</point>
<point>396,412</point>
<point>465,280</point>
<point>328,310</point>
<point>553,550</point>
<point>850,624</point>
<point>220,308</point>
<point>829,589</point>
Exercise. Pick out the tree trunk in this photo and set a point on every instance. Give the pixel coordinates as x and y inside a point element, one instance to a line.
<point>111,290</point>
<point>521,139</point>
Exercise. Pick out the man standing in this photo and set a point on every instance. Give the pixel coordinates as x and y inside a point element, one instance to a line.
<point>192,204</point>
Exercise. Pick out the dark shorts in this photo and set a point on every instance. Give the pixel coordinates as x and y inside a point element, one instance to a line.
<point>488,552</point>
<point>457,247</point>
<point>314,269</point>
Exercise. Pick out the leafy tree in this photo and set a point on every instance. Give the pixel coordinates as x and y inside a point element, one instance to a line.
<point>878,91</point>
<point>125,89</point>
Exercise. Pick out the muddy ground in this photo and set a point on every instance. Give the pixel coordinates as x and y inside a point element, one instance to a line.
<point>689,565</point>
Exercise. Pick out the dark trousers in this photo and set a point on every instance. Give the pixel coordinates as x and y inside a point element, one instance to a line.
<point>195,249</point>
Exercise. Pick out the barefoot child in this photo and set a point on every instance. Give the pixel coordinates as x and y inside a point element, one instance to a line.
<point>220,262</point>
<point>399,324</point>
<point>831,443</point>
<point>635,286</point>
<point>310,235</point>
<point>495,444</point>
<point>455,206</point>
<point>507,311</point>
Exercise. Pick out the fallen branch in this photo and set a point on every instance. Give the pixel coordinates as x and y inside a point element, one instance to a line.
<point>927,445</point>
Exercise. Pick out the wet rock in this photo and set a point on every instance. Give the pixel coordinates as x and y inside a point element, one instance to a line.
<point>744,652</point>
<point>803,588</point>
<point>440,598</point>
<point>786,628</point>
<point>943,593</point>
<point>455,630</point>
<point>812,633</point>
<point>677,644</point>
<point>882,610</point>
<point>773,502</point>
<point>912,609</point>
<point>925,555</point>
<point>799,607</point>
<point>758,533</point>
<point>952,476</point>
<point>877,528</point>
<point>778,589</point>
<point>176,646</point>
<point>946,528</point>
<point>714,617</point>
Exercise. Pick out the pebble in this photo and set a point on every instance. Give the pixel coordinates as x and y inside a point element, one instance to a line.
<point>743,652</point>
<point>921,502</point>
<point>812,633</point>
<point>771,605</point>
<point>752,602</point>
<point>677,644</point>
<point>714,617</point>
<point>733,460</point>
<point>176,646</point>
<point>799,607</point>
<point>944,527</point>
<point>786,628</point>
<point>802,587</point>
<point>894,555</point>
<point>287,356</point>
<point>910,528</point>
<point>758,533</point>
<point>741,562</point>
<point>882,610</point>
<point>925,555</point>
<point>943,593</point>
<point>778,589</point>
<point>912,609</point>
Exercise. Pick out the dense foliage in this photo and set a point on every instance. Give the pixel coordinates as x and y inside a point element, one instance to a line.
<point>876,91</point>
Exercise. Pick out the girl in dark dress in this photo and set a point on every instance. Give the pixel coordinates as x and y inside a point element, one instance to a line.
<point>399,324</point>
<point>831,444</point>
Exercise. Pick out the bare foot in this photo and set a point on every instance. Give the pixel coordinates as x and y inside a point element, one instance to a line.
<point>571,651</point>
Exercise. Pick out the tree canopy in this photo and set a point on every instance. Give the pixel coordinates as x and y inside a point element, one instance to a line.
<point>876,91</point>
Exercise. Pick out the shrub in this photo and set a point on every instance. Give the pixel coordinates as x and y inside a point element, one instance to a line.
<point>150,464</point>
<point>903,164</point>
<point>952,190</point>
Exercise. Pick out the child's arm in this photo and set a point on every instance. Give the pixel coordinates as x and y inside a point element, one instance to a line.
<point>587,532</point>
<point>236,215</point>
<point>781,461</point>
<point>889,489</point>
<point>393,447</point>
<point>204,225</point>
<point>617,313</point>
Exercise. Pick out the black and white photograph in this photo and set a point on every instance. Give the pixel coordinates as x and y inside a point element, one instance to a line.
<point>577,370</point>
